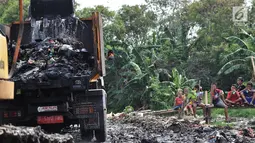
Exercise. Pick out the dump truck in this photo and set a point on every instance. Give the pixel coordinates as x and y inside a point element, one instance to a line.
<point>56,103</point>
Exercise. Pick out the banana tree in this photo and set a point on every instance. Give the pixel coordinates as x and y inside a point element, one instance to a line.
<point>165,92</point>
<point>238,60</point>
<point>247,42</point>
<point>241,58</point>
<point>135,82</point>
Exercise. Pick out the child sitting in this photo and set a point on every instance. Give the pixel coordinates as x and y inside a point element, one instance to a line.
<point>198,101</point>
<point>233,97</point>
<point>248,94</point>
<point>190,98</point>
<point>178,102</point>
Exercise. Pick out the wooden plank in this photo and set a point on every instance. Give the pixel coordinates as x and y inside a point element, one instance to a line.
<point>6,90</point>
<point>164,112</point>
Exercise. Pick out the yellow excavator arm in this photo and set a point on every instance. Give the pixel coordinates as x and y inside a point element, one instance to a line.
<point>3,57</point>
<point>6,87</point>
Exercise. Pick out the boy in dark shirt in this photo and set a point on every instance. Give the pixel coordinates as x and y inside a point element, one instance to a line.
<point>240,85</point>
<point>248,94</point>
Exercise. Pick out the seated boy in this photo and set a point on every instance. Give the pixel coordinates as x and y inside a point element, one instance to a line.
<point>233,97</point>
<point>240,85</point>
<point>248,94</point>
<point>217,99</point>
<point>198,101</point>
<point>178,100</point>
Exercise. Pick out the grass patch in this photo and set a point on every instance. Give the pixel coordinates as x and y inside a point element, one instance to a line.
<point>242,112</point>
<point>222,124</point>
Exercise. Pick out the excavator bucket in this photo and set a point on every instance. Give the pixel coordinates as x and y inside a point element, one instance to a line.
<point>6,87</point>
<point>51,8</point>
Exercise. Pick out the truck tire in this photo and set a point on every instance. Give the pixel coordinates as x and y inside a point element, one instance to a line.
<point>56,128</point>
<point>1,117</point>
<point>86,135</point>
<point>101,135</point>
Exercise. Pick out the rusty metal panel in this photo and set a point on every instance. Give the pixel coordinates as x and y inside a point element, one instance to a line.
<point>27,33</point>
<point>101,41</point>
<point>51,8</point>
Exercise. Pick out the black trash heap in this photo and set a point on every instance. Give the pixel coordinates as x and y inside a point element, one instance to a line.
<point>52,59</point>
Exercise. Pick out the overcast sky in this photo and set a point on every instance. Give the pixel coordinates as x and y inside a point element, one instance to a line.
<point>112,4</point>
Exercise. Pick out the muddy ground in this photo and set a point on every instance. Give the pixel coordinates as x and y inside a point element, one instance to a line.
<point>155,129</point>
<point>147,129</point>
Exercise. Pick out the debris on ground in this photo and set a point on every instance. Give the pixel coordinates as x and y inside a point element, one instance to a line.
<point>136,129</point>
<point>157,129</point>
<point>247,132</point>
<point>9,133</point>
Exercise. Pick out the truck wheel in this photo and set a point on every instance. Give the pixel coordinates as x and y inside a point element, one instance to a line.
<point>101,135</point>
<point>57,128</point>
<point>86,135</point>
<point>1,118</point>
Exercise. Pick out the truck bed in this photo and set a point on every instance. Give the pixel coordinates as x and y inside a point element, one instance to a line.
<point>78,82</point>
<point>86,31</point>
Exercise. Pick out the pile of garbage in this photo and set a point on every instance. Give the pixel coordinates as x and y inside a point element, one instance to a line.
<point>51,59</point>
<point>9,133</point>
<point>156,129</point>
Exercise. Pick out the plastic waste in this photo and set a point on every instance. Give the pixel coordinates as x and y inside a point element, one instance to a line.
<point>52,58</point>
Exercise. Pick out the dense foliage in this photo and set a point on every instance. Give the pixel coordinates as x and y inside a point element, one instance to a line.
<point>165,45</point>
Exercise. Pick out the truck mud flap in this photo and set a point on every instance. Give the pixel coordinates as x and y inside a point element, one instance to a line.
<point>91,109</point>
<point>88,114</point>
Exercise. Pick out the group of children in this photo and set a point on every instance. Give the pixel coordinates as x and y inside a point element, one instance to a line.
<point>239,95</point>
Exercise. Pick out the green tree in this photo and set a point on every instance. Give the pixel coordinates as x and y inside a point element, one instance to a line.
<point>138,22</point>
<point>214,19</point>
<point>9,12</point>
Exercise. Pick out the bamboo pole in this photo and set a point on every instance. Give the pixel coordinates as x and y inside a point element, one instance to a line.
<point>20,34</point>
<point>253,66</point>
<point>206,97</point>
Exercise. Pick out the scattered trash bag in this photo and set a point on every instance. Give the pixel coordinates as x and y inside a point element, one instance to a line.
<point>218,137</point>
<point>247,132</point>
<point>175,127</point>
<point>10,133</point>
<point>51,59</point>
